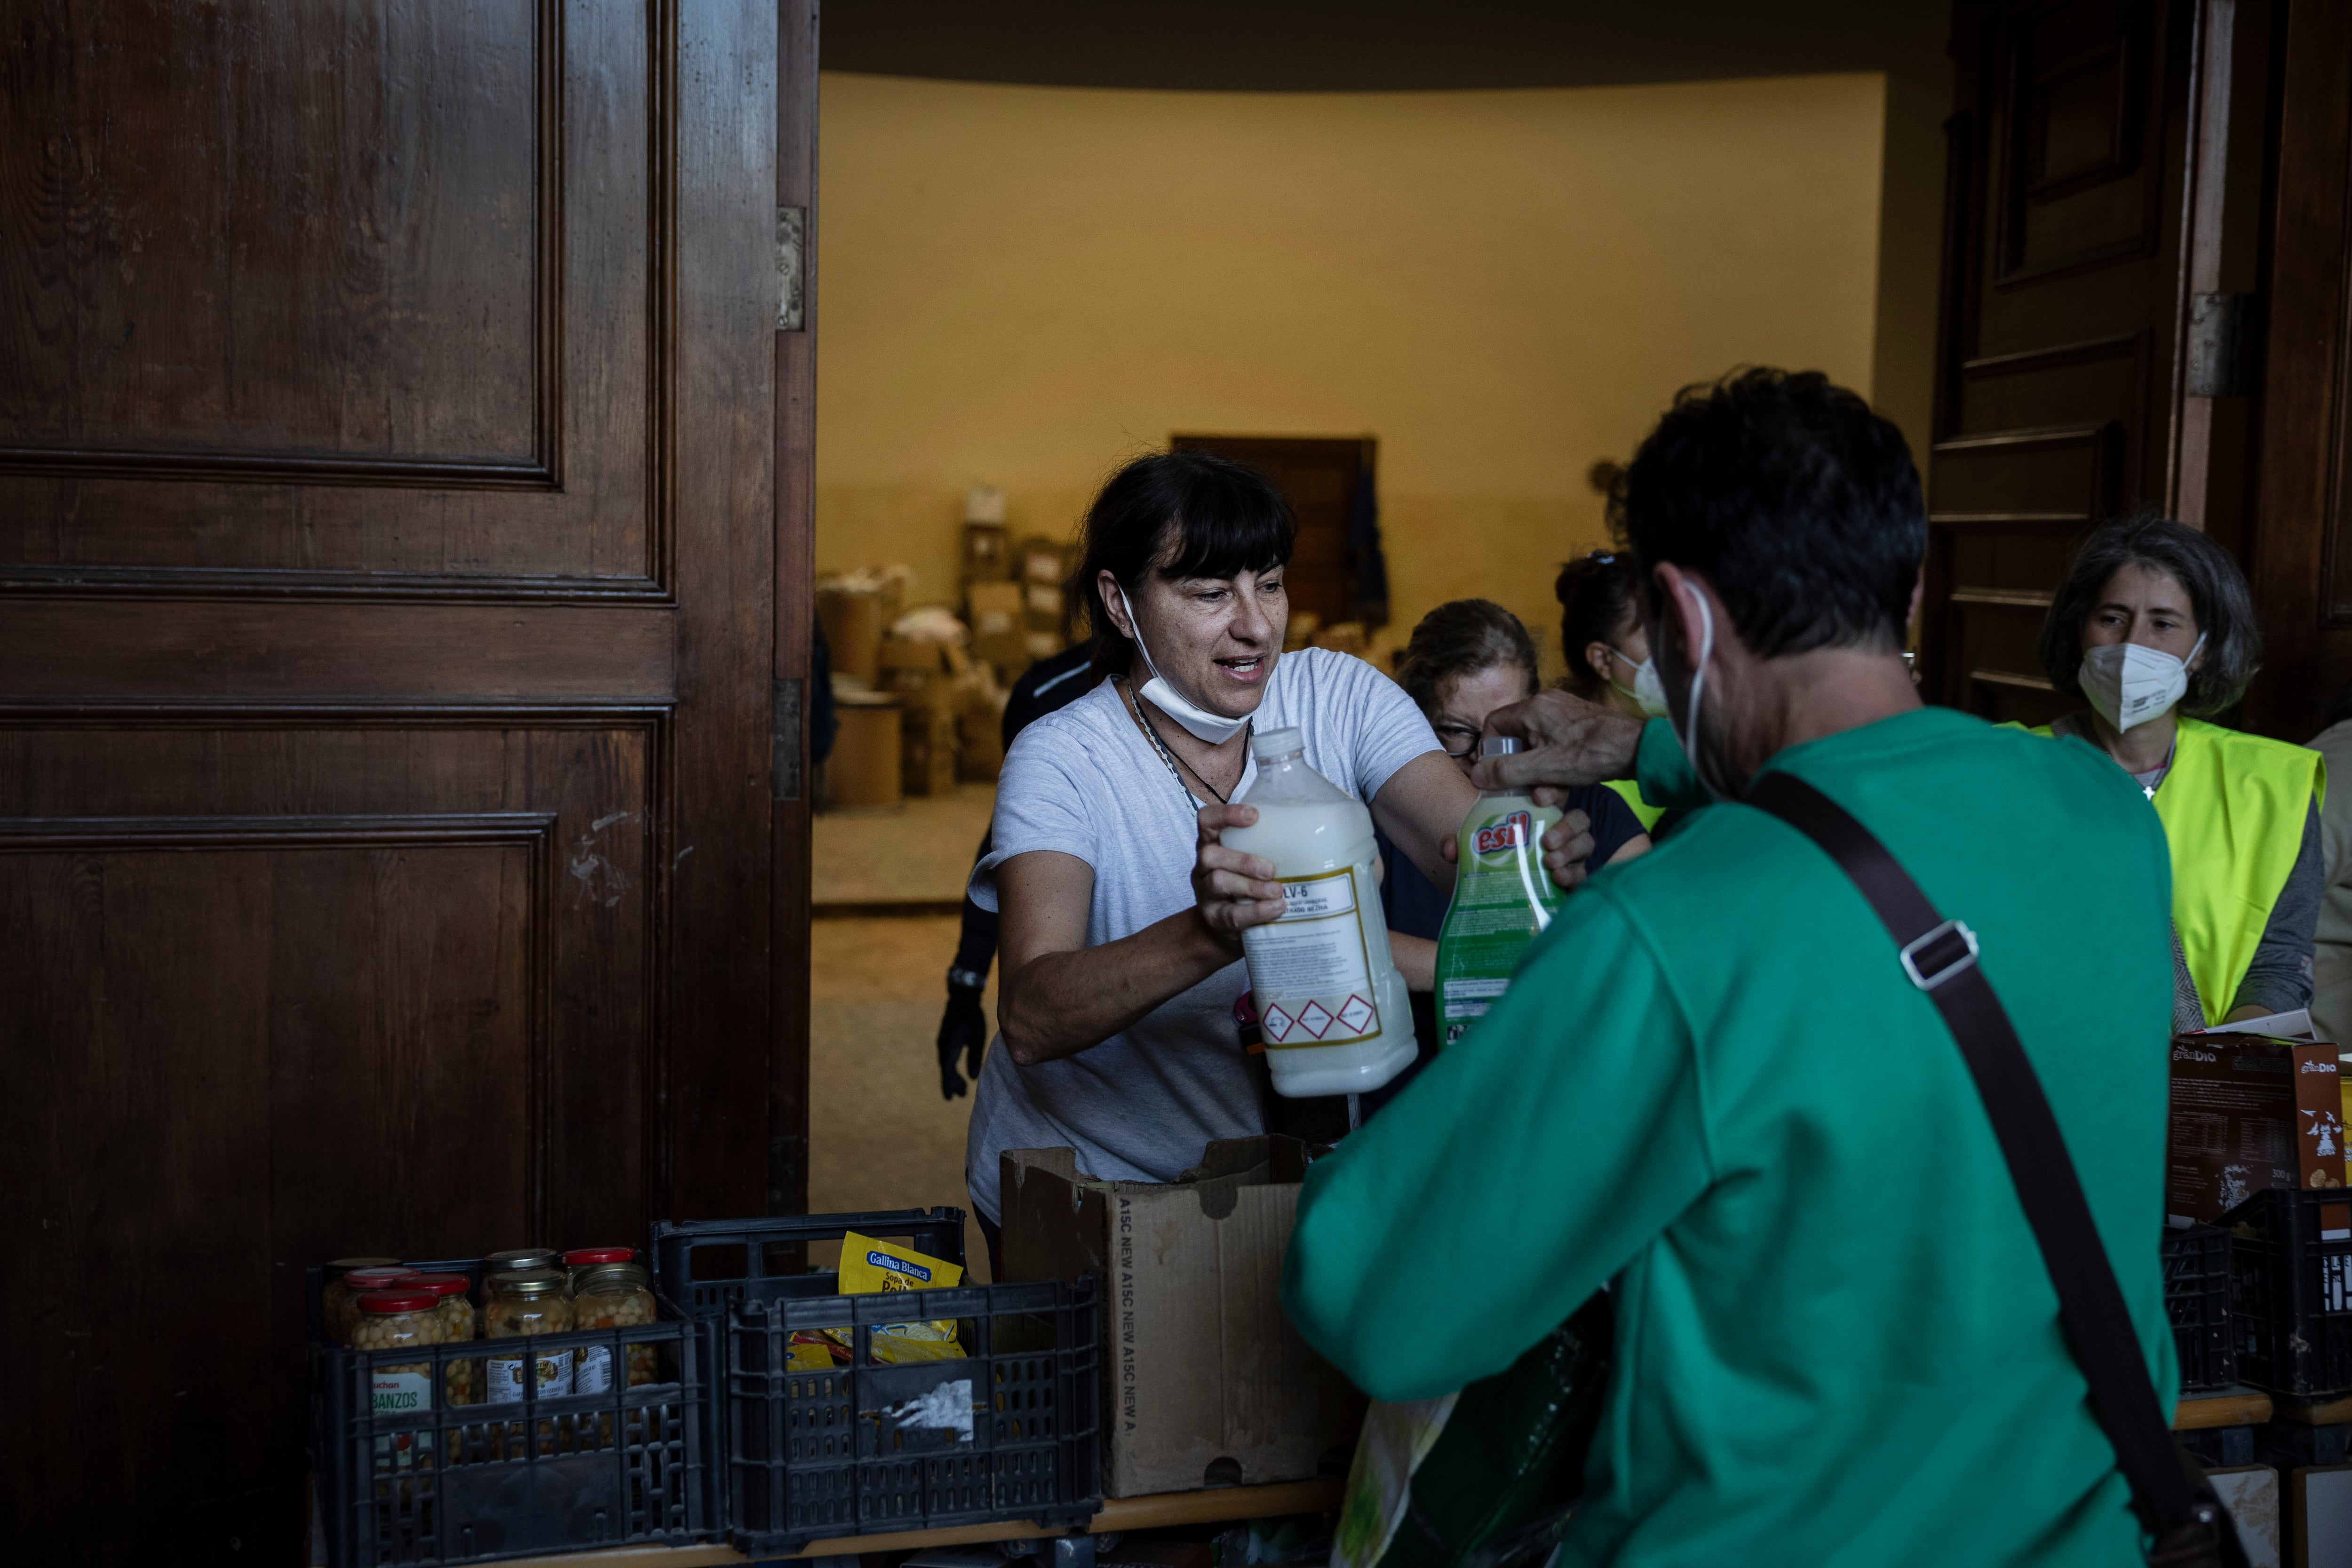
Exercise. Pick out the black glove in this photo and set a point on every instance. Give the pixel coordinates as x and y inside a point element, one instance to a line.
<point>963,1031</point>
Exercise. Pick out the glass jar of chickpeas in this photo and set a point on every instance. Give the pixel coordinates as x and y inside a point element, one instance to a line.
<point>517,1305</point>
<point>335,1292</point>
<point>521,1260</point>
<point>613,1296</point>
<point>455,1308</point>
<point>394,1320</point>
<point>581,1260</point>
<point>342,1318</point>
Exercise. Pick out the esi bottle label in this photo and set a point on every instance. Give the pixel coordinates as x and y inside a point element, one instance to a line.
<point>1503,899</point>
<point>1312,970</point>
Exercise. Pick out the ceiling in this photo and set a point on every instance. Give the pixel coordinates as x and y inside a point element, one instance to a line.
<point>1366,46</point>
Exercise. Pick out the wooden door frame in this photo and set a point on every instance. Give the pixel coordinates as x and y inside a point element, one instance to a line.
<point>2290,559</point>
<point>796,614</point>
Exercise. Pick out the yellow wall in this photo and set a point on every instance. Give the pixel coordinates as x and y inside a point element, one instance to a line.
<point>1024,285</point>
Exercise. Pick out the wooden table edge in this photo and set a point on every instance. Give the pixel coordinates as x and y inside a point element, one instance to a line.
<point>2228,1407</point>
<point>1213,1506</point>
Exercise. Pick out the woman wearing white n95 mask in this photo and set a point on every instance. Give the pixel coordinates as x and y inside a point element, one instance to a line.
<point>2153,625</point>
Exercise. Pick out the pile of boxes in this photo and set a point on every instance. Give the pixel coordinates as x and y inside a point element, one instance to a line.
<point>919,693</point>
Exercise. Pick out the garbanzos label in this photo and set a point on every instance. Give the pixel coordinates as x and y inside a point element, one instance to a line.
<point>1312,969</point>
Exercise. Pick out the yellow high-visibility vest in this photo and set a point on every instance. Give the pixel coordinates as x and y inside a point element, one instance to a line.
<point>2233,807</point>
<point>1631,792</point>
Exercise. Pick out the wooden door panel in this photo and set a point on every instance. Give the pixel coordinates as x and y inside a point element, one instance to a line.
<point>2077,190</point>
<point>374,297</point>
<point>225,1032</point>
<point>2057,400</point>
<point>388,576</point>
<point>593,787</point>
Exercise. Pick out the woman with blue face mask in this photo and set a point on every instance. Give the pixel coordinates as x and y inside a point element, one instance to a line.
<point>1607,651</point>
<point>2153,630</point>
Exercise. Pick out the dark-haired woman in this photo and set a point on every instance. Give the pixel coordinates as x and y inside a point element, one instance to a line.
<point>1608,652</point>
<point>1121,910</point>
<point>2154,629</point>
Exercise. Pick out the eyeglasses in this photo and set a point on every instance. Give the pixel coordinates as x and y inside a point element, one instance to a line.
<point>1460,741</point>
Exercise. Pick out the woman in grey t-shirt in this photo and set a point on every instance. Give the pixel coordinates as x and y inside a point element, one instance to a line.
<point>1121,912</point>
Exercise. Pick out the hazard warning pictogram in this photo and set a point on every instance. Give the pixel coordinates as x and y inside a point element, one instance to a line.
<point>1357,1014</point>
<point>1277,1024</point>
<point>1315,1020</point>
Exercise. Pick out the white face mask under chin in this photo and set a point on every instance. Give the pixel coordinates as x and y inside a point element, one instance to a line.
<point>2129,684</point>
<point>1213,728</point>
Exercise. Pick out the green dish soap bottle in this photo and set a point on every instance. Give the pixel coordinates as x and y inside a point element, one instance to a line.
<point>1502,899</point>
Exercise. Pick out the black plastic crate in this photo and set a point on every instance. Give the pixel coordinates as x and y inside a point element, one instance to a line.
<point>2291,1290</point>
<point>860,1449</point>
<point>705,1265</point>
<point>473,1483</point>
<point>2196,1300</point>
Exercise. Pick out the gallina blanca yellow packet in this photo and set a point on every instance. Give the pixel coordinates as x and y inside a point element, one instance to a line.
<point>868,1266</point>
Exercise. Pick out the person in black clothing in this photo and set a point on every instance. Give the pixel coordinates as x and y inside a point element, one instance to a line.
<point>1044,686</point>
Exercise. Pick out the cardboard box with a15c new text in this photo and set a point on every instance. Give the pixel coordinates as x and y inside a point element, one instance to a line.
<point>1207,1382</point>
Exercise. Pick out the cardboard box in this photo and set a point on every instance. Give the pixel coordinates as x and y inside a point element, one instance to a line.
<point>986,548</point>
<point>1206,1382</point>
<point>864,770</point>
<point>927,750</point>
<point>852,631</point>
<point>980,735</point>
<point>2250,1112</point>
<point>993,607</point>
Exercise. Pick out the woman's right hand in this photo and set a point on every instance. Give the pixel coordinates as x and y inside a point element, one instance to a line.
<point>1234,891</point>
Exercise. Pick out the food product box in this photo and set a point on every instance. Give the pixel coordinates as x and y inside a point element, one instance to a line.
<point>1207,1382</point>
<point>2250,1112</point>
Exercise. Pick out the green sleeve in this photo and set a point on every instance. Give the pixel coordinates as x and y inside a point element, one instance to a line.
<point>1527,1165</point>
<point>1665,774</point>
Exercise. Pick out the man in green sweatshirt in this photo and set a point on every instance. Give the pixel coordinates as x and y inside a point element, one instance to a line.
<point>1712,1088</point>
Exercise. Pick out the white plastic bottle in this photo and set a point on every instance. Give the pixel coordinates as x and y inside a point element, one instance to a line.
<point>1330,1003</point>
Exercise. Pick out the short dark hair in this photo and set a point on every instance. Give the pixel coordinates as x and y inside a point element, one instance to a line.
<point>1596,598</point>
<point>1798,505</point>
<point>1459,637</point>
<point>1177,514</point>
<point>2218,598</point>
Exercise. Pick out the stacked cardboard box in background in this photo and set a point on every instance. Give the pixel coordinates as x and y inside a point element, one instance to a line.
<point>1000,634</point>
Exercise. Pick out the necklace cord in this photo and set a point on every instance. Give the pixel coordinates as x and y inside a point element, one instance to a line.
<point>1135,709</point>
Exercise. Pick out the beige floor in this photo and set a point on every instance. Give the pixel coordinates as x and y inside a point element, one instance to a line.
<point>920,850</point>
<point>880,1136</point>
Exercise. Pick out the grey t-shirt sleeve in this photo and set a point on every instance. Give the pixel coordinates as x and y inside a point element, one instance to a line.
<point>1039,805</point>
<point>1390,731</point>
<point>2279,978</point>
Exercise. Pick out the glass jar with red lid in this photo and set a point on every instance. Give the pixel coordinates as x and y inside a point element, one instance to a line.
<point>455,1308</point>
<point>398,1319</point>
<point>580,1259</point>
<point>337,1300</point>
